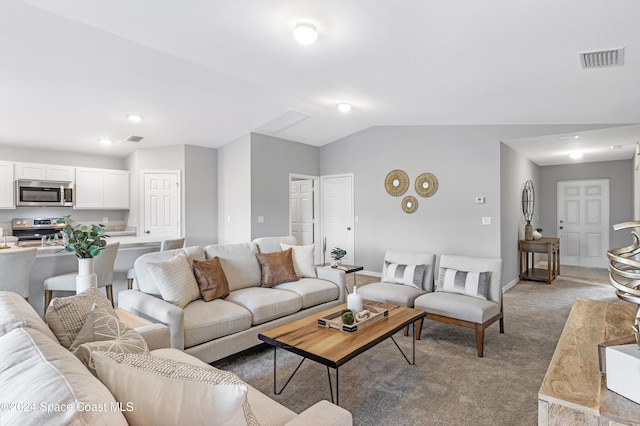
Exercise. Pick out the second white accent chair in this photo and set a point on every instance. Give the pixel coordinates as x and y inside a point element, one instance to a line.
<point>15,267</point>
<point>171,244</point>
<point>103,268</point>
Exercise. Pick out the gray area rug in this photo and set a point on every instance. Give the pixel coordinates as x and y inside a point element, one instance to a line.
<point>449,385</point>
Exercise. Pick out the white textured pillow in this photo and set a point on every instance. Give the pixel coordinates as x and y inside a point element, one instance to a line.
<point>175,280</point>
<point>474,284</point>
<point>411,275</point>
<point>302,260</point>
<point>163,391</point>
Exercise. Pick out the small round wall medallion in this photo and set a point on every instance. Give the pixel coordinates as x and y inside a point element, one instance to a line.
<point>409,204</point>
<point>426,184</point>
<point>396,183</point>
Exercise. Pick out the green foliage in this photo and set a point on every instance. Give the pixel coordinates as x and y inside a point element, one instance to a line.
<point>539,230</point>
<point>338,253</point>
<point>85,241</point>
<point>347,317</point>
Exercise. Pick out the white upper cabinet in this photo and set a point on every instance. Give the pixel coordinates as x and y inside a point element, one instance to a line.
<point>34,171</point>
<point>6,185</point>
<point>101,189</point>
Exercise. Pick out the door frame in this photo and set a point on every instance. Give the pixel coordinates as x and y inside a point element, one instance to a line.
<point>353,208</point>
<point>141,199</point>
<point>317,248</point>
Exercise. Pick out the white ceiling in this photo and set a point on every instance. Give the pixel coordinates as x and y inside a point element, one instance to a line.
<point>207,72</point>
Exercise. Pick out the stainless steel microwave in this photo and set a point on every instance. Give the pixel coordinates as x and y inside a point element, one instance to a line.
<point>44,193</point>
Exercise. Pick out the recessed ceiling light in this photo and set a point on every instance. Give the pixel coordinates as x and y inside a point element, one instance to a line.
<point>344,107</point>
<point>134,117</point>
<point>106,141</point>
<point>566,138</point>
<point>576,155</point>
<point>305,33</point>
<point>616,146</point>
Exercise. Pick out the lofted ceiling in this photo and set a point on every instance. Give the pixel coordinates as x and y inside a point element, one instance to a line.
<point>207,72</point>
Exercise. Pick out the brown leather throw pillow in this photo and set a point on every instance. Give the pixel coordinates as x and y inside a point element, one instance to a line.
<point>277,268</point>
<point>211,279</point>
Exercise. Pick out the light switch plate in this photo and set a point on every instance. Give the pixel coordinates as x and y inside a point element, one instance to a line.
<point>260,219</point>
<point>479,200</point>
<point>486,220</point>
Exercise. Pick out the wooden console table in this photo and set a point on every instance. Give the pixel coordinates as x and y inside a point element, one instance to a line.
<point>573,392</point>
<point>527,249</point>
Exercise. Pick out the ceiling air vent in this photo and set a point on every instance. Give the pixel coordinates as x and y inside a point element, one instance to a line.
<point>602,58</point>
<point>283,120</point>
<point>134,138</point>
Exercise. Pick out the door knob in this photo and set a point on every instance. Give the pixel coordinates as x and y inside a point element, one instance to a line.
<point>147,232</point>
<point>562,227</point>
<point>348,228</point>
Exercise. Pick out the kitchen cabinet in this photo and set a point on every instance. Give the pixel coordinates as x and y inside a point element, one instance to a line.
<point>35,171</point>
<point>6,185</point>
<point>101,189</point>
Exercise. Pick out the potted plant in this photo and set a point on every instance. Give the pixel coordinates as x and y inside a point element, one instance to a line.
<point>337,254</point>
<point>86,242</point>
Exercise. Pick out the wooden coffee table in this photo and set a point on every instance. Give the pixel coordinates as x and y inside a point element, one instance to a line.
<point>333,348</point>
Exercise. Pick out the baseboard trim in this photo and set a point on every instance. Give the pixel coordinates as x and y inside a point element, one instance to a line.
<point>373,274</point>
<point>510,285</point>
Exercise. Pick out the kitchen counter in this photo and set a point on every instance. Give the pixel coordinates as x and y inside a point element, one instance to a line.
<point>126,242</point>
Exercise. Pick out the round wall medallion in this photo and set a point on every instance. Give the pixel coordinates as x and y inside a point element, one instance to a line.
<point>396,182</point>
<point>426,185</point>
<point>409,204</point>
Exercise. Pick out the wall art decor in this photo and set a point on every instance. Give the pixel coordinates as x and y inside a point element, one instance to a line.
<point>426,185</point>
<point>409,204</point>
<point>396,183</point>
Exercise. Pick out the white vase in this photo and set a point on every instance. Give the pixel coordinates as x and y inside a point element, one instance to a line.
<point>536,235</point>
<point>354,301</point>
<point>86,277</point>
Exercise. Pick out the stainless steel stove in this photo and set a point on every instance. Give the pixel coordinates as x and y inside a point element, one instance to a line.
<point>31,231</point>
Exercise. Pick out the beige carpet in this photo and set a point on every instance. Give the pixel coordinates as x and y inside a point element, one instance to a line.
<point>449,385</point>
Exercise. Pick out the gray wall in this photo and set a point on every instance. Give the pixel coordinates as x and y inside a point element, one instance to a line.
<point>620,174</point>
<point>272,160</point>
<point>234,191</point>
<point>515,170</point>
<point>201,195</point>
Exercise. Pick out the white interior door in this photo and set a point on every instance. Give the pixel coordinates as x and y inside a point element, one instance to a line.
<point>161,204</point>
<point>337,215</point>
<point>302,211</point>
<point>583,222</point>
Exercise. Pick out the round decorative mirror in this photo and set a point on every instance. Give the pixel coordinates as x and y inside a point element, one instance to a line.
<point>409,204</point>
<point>396,183</point>
<point>426,185</point>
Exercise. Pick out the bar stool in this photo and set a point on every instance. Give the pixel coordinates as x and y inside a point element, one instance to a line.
<point>104,270</point>
<point>15,267</point>
<point>175,243</point>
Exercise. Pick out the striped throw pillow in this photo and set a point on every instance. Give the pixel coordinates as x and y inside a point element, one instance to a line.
<point>474,284</point>
<point>411,275</point>
<point>175,280</point>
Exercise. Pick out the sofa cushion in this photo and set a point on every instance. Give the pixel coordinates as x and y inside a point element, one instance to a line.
<point>313,291</point>
<point>271,244</point>
<point>266,304</point>
<point>238,262</point>
<point>174,278</point>
<point>466,308</point>
<point>302,260</point>
<point>206,321</point>
<point>401,295</point>
<point>41,373</point>
<point>66,315</point>
<point>474,284</point>
<point>164,391</point>
<point>145,281</point>
<point>211,279</point>
<point>276,268</point>
<point>397,273</point>
<point>15,312</point>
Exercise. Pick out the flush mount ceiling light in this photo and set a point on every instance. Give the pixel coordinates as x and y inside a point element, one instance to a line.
<point>566,138</point>
<point>105,141</point>
<point>616,146</point>
<point>344,106</point>
<point>134,118</point>
<point>576,155</point>
<point>305,33</point>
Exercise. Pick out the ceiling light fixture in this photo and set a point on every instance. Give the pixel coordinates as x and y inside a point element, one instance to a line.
<point>106,141</point>
<point>134,118</point>
<point>566,138</point>
<point>305,33</point>
<point>616,146</point>
<point>344,107</point>
<point>576,155</point>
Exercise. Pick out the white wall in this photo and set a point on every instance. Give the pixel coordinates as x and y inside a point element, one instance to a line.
<point>234,191</point>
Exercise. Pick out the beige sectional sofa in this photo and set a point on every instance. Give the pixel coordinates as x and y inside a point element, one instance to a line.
<point>41,382</point>
<point>213,330</point>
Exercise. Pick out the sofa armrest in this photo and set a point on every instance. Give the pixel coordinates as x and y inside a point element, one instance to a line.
<point>323,413</point>
<point>156,310</point>
<point>156,335</point>
<point>336,276</point>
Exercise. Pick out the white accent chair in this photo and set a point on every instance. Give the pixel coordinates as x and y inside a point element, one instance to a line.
<point>171,244</point>
<point>15,266</point>
<point>103,268</point>
<point>463,310</point>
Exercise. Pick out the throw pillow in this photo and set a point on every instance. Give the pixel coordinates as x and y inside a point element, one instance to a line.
<point>66,315</point>
<point>103,332</point>
<point>302,260</point>
<point>411,275</point>
<point>276,267</point>
<point>475,284</point>
<point>211,279</point>
<point>175,280</point>
<point>164,391</point>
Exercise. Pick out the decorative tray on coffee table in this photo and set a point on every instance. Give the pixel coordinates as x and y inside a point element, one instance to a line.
<point>334,319</point>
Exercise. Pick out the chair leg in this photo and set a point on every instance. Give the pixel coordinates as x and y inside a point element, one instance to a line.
<point>48,295</point>
<point>502,325</point>
<point>480,339</point>
<point>109,289</point>
<point>129,283</point>
<point>418,328</point>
